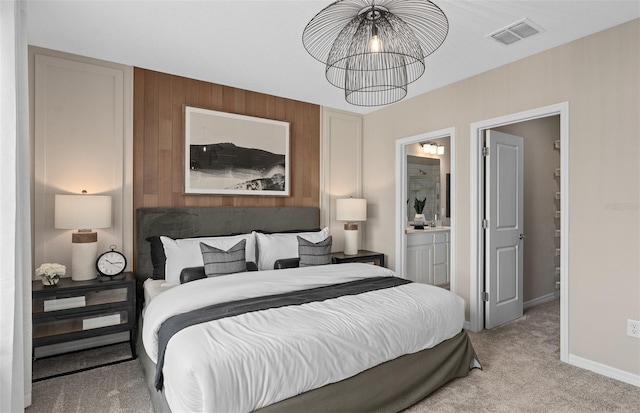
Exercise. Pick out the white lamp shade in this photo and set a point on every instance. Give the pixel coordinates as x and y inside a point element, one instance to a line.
<point>82,211</point>
<point>351,209</point>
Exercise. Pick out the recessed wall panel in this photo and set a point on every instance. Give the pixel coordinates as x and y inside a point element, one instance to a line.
<point>507,186</point>
<point>507,284</point>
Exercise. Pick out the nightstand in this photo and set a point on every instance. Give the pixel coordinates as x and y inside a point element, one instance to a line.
<point>80,310</point>
<point>365,256</point>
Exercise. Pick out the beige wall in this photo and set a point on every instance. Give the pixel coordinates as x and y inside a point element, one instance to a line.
<point>341,170</point>
<point>599,76</point>
<point>541,159</point>
<point>81,134</point>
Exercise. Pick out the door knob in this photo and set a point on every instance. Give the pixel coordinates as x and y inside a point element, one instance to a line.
<point>522,236</point>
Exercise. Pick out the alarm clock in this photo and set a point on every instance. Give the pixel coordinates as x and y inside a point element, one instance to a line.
<point>111,263</point>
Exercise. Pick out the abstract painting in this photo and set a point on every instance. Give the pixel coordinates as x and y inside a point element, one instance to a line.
<point>229,154</point>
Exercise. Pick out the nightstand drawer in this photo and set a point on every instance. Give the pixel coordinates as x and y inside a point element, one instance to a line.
<point>75,323</point>
<point>81,299</point>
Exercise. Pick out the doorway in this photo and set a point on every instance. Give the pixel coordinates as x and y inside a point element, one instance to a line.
<point>402,150</point>
<point>477,131</point>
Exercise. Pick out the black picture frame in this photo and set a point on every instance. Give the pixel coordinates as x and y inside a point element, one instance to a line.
<point>231,154</point>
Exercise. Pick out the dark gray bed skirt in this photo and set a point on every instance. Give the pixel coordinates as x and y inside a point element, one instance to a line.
<point>388,387</point>
<point>149,368</point>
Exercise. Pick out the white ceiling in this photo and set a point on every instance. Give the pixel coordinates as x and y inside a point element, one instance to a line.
<point>256,45</point>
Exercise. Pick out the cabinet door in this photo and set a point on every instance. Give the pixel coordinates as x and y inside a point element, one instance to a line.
<point>420,263</point>
<point>440,264</point>
<point>413,263</point>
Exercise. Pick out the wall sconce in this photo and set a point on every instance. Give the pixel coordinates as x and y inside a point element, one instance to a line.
<point>83,212</point>
<point>433,149</point>
<point>351,210</point>
<point>429,148</point>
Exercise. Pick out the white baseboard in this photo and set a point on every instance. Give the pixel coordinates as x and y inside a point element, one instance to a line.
<point>548,297</point>
<point>605,370</point>
<point>531,303</point>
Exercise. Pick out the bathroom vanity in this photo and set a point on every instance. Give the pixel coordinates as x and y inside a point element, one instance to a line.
<point>428,255</point>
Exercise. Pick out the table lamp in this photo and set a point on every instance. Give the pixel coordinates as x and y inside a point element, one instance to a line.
<point>351,210</point>
<point>84,213</point>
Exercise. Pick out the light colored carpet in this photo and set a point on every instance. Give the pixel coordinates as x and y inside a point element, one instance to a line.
<point>63,363</point>
<point>118,388</point>
<point>522,373</point>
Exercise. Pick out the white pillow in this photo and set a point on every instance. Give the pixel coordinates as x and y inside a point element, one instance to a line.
<point>273,247</point>
<point>184,253</point>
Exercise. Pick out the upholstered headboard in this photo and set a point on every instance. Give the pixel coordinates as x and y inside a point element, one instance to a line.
<point>193,222</point>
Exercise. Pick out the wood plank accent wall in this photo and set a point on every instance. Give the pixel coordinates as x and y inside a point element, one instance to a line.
<point>158,140</point>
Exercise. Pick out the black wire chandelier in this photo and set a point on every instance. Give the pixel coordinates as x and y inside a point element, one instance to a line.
<point>374,48</point>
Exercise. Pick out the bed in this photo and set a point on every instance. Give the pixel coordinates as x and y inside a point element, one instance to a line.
<point>347,337</point>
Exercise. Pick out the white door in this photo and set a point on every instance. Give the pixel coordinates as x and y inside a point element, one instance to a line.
<point>503,233</point>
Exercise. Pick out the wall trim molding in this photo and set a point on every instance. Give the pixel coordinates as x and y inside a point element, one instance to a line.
<point>401,194</point>
<point>475,247</point>
<point>604,370</point>
<point>330,189</point>
<point>47,243</point>
<point>541,300</point>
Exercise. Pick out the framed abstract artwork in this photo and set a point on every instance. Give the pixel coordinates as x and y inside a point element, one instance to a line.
<point>229,154</point>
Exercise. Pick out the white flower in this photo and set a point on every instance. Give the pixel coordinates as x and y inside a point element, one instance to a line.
<point>51,269</point>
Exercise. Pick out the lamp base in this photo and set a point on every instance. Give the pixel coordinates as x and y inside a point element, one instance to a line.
<point>84,250</point>
<point>350,239</point>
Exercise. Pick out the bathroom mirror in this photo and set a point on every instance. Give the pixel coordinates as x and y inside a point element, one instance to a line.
<point>423,181</point>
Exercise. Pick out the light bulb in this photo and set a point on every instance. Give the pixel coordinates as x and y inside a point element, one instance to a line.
<point>375,45</point>
<point>440,150</point>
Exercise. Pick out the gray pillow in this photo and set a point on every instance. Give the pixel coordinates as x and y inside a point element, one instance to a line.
<point>311,254</point>
<point>220,262</point>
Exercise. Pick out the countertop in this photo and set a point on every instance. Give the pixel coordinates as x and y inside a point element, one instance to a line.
<point>411,230</point>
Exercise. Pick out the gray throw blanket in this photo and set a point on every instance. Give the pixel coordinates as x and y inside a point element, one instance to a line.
<point>176,323</point>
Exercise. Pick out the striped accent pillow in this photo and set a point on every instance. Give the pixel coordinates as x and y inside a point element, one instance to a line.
<point>311,253</point>
<point>220,262</point>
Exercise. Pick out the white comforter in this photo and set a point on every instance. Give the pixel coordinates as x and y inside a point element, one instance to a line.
<point>242,363</point>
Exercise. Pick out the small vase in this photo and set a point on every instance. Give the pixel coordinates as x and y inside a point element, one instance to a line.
<point>50,280</point>
<point>418,219</point>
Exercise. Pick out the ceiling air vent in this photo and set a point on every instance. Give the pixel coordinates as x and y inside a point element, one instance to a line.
<point>516,32</point>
